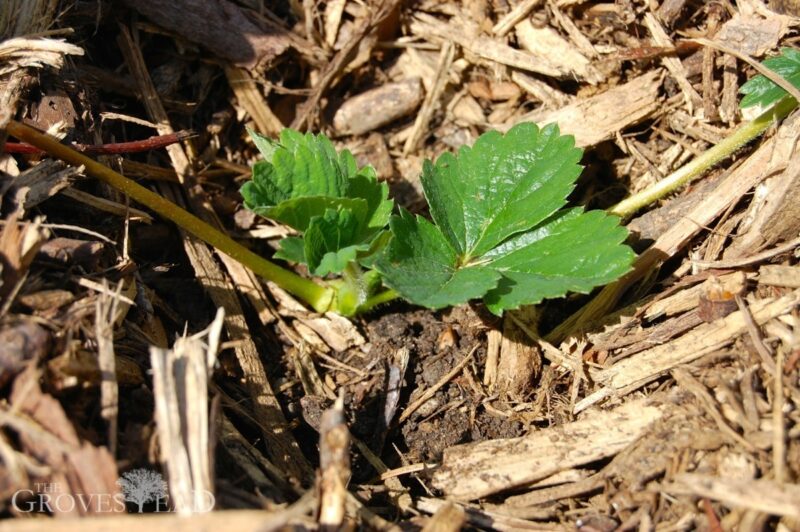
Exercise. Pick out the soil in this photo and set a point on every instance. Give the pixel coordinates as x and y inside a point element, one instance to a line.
<point>436,342</point>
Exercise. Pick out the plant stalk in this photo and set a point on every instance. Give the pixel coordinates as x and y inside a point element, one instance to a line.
<point>378,299</point>
<point>706,160</point>
<point>317,296</point>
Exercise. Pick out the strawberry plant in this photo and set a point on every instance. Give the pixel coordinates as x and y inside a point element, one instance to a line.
<point>500,229</point>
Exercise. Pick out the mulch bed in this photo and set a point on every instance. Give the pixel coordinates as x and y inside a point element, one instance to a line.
<point>667,400</point>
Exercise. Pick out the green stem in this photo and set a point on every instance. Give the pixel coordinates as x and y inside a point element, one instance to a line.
<point>378,299</point>
<point>318,297</point>
<point>350,291</point>
<point>706,160</point>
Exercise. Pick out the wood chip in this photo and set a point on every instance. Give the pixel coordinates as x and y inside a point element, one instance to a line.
<point>670,10</point>
<point>33,52</point>
<point>752,259</point>
<point>550,97</point>
<point>334,465</point>
<point>72,252</point>
<point>752,35</point>
<point>377,107</point>
<point>467,111</point>
<point>484,519</point>
<point>39,183</point>
<point>250,97</point>
<point>448,518</point>
<point>106,309</point>
<point>466,34</point>
<point>333,18</point>
<point>557,492</point>
<point>735,185</point>
<point>600,117</point>
<point>718,299</point>
<point>520,360</point>
<point>729,106</point>
<point>49,438</point>
<point>520,11</point>
<point>106,205</point>
<point>773,215</point>
<point>338,332</point>
<point>494,338</point>
<point>548,47</point>
<point>219,25</point>
<point>779,275</point>
<point>180,387</point>
<point>637,370</point>
<point>761,495</point>
<point>339,62</point>
<point>673,64</point>
<point>477,470</point>
<point>579,40</point>
<point>689,298</point>
<point>788,7</point>
<point>431,102</point>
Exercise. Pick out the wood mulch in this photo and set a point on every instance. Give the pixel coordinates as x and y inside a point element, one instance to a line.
<point>142,371</point>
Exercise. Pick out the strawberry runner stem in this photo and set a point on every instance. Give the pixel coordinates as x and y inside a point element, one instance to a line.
<point>317,296</point>
<point>135,146</point>
<point>699,165</point>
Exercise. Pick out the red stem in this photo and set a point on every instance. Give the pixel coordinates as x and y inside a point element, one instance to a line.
<point>152,143</point>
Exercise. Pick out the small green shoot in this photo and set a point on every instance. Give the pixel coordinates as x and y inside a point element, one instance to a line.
<point>341,211</point>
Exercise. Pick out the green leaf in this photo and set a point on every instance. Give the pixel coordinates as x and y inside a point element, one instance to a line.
<point>308,165</point>
<point>332,241</point>
<point>336,261</point>
<point>292,248</point>
<point>376,246</point>
<point>301,182</point>
<point>501,231</point>
<point>573,251</point>
<point>262,190</point>
<point>298,212</point>
<point>265,145</point>
<point>297,166</point>
<point>366,186</point>
<point>502,185</point>
<point>423,267</point>
<point>764,92</point>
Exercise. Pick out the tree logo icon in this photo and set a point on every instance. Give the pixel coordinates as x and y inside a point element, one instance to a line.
<point>141,486</point>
